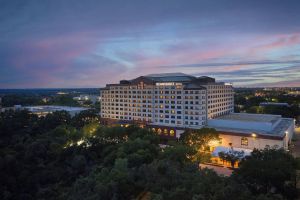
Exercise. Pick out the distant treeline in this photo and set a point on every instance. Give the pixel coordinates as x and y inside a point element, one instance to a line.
<point>50,91</point>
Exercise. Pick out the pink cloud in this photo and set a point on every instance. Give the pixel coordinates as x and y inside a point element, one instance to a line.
<point>277,42</point>
<point>47,57</point>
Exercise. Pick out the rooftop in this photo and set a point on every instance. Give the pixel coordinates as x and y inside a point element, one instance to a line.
<point>273,104</point>
<point>167,74</point>
<point>171,77</point>
<point>152,79</point>
<point>251,117</point>
<point>53,108</point>
<point>276,123</point>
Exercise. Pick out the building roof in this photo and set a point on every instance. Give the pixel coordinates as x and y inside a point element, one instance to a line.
<point>251,117</point>
<point>277,124</point>
<point>167,74</point>
<point>273,104</point>
<point>191,86</point>
<point>51,108</point>
<point>188,81</point>
<point>171,77</point>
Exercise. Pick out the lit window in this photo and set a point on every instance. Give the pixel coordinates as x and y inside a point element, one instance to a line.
<point>159,131</point>
<point>172,132</point>
<point>244,141</point>
<point>166,131</point>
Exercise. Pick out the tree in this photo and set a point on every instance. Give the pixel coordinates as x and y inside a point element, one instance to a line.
<point>55,119</point>
<point>64,100</point>
<point>268,171</point>
<point>84,117</point>
<point>200,140</point>
<point>179,153</point>
<point>45,161</point>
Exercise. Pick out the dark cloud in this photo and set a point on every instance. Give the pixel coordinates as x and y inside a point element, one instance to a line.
<point>261,62</point>
<point>240,80</point>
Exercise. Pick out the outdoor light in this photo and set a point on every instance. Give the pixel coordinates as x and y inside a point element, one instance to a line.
<point>253,135</point>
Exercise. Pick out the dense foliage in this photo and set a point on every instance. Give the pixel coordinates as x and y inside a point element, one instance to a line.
<point>59,157</point>
<point>274,172</point>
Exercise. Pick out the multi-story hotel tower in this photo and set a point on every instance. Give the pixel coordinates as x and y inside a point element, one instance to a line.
<point>168,100</point>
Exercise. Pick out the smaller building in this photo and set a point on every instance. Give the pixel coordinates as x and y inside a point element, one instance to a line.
<point>44,110</point>
<point>85,97</point>
<point>249,131</point>
<point>273,104</point>
<point>14,108</point>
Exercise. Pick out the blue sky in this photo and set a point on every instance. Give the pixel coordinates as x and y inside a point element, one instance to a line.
<point>90,43</point>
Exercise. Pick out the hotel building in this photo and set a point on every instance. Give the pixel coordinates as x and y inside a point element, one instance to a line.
<point>170,103</point>
<point>176,100</point>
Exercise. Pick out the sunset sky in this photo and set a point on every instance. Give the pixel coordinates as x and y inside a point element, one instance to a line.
<point>83,43</point>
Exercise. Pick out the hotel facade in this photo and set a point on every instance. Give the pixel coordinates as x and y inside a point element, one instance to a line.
<point>175,100</point>
<point>171,103</point>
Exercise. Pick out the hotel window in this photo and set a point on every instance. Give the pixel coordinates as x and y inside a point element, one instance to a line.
<point>159,131</point>
<point>172,132</point>
<point>244,141</point>
<point>166,131</point>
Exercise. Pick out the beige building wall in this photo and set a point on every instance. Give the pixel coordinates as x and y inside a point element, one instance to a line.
<point>220,99</point>
<point>166,104</point>
<point>253,142</point>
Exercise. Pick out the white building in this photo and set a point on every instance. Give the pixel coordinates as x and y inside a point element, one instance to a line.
<point>249,131</point>
<point>44,110</point>
<point>86,97</point>
<point>220,99</point>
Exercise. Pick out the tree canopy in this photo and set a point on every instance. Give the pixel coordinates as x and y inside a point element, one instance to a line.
<point>60,157</point>
<point>269,171</point>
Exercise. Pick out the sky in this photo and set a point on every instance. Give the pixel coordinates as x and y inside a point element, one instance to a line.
<point>90,43</point>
